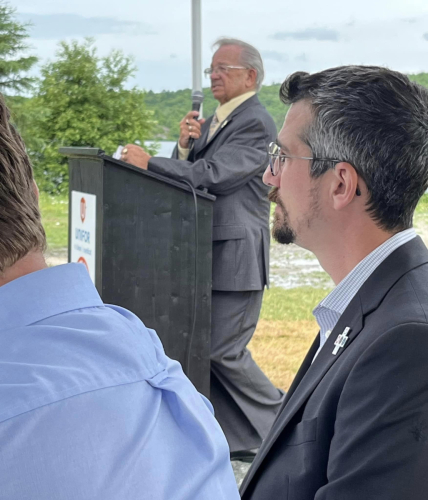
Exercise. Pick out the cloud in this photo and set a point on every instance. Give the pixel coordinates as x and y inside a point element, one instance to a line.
<point>54,26</point>
<point>274,56</point>
<point>410,20</point>
<point>301,58</point>
<point>425,35</point>
<point>320,34</point>
<point>165,74</point>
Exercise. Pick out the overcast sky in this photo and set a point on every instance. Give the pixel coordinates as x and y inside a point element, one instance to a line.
<point>307,35</point>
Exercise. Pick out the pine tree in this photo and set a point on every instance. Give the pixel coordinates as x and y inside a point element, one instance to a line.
<point>13,63</point>
<point>84,101</point>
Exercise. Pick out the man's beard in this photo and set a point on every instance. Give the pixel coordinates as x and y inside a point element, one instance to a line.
<point>281,229</point>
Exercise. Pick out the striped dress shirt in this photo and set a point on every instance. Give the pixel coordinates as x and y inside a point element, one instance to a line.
<point>329,310</point>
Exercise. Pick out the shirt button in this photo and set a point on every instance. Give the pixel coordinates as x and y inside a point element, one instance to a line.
<point>327,334</point>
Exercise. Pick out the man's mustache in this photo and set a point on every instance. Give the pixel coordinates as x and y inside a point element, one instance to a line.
<point>273,195</point>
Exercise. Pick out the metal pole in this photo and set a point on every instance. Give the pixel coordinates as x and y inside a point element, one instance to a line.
<point>196,48</point>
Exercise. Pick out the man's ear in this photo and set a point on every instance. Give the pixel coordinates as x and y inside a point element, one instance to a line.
<point>344,188</point>
<point>251,78</point>
<point>36,189</point>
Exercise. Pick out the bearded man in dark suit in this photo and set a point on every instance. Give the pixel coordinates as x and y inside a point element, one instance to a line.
<point>228,158</point>
<point>349,168</point>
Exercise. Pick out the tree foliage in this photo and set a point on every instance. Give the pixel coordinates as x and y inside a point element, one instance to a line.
<point>13,63</point>
<point>421,78</point>
<point>170,107</point>
<point>82,101</point>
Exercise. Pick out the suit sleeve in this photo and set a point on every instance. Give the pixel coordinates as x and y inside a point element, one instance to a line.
<point>241,157</point>
<point>380,444</point>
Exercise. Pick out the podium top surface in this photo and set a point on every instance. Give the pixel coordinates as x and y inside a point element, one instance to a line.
<point>93,153</point>
<point>74,152</point>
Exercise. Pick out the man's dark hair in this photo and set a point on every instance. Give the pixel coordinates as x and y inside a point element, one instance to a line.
<point>21,230</point>
<point>376,120</point>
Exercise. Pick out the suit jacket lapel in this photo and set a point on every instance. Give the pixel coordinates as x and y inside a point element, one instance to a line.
<point>220,128</point>
<point>304,367</point>
<point>308,377</point>
<point>203,141</point>
<point>407,257</point>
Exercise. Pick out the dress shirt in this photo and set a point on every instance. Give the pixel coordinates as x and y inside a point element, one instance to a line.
<point>222,112</point>
<point>329,310</point>
<point>92,408</point>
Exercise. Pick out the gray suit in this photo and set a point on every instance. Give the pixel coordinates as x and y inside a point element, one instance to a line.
<point>231,165</point>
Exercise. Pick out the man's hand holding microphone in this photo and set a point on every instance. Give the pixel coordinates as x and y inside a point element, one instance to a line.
<point>190,128</point>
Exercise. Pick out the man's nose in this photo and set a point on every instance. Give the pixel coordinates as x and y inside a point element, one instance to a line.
<point>268,178</point>
<point>214,76</point>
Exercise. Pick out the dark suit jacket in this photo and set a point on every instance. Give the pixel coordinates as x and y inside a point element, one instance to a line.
<point>231,165</point>
<point>355,425</point>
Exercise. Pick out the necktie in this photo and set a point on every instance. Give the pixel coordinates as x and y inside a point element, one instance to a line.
<point>213,126</point>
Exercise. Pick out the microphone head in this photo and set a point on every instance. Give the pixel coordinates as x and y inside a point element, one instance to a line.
<point>197,97</point>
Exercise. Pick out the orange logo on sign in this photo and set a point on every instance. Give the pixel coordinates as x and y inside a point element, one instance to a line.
<point>83,209</point>
<point>83,261</point>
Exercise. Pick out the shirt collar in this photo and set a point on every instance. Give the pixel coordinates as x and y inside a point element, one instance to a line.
<point>51,291</point>
<point>224,110</point>
<point>339,299</point>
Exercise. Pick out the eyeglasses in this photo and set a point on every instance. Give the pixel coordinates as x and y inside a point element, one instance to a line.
<point>277,160</point>
<point>221,69</point>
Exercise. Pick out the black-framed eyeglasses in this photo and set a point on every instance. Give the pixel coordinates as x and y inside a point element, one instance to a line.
<point>277,160</point>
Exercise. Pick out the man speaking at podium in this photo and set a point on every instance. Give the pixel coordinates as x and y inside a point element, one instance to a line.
<point>228,158</point>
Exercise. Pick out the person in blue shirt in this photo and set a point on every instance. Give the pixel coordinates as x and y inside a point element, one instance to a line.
<point>91,407</point>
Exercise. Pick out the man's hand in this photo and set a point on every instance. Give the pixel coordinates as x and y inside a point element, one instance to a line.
<point>190,127</point>
<point>135,155</point>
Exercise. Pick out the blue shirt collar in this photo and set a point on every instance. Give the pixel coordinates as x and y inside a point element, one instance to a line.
<point>53,291</point>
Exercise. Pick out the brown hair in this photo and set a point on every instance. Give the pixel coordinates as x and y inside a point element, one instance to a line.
<point>21,230</point>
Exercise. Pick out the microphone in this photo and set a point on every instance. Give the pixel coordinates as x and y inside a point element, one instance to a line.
<point>197,98</point>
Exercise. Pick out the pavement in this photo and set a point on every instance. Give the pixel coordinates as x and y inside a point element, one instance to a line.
<point>240,469</point>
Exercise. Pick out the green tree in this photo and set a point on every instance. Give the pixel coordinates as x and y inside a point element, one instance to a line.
<point>170,107</point>
<point>26,115</point>
<point>13,63</point>
<point>84,102</point>
<point>421,78</point>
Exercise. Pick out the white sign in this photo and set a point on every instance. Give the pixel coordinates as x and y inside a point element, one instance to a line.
<point>83,226</point>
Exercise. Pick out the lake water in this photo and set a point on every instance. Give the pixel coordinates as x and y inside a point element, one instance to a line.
<point>166,147</point>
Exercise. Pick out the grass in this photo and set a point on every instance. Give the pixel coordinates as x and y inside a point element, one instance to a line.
<point>421,213</point>
<point>422,208</point>
<point>279,347</point>
<point>291,305</point>
<point>55,220</point>
<point>285,331</point>
<point>286,328</point>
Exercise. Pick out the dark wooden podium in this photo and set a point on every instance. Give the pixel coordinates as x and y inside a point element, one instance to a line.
<point>153,252</point>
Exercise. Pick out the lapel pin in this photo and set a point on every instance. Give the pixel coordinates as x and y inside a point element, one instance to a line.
<point>224,123</point>
<point>341,340</point>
